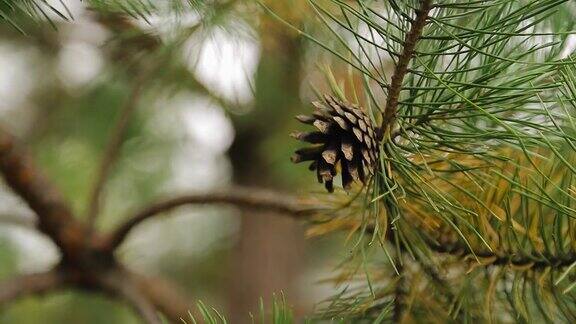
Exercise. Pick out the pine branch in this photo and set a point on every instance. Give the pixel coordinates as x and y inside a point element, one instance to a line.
<point>122,284</point>
<point>13,12</point>
<point>242,197</point>
<point>115,141</point>
<point>165,297</point>
<point>55,217</point>
<point>390,110</point>
<point>86,263</point>
<point>30,284</point>
<point>458,249</point>
<point>144,295</point>
<point>143,42</point>
<point>535,262</point>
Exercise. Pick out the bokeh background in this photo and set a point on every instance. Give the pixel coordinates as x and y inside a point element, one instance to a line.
<point>214,85</point>
<point>217,84</point>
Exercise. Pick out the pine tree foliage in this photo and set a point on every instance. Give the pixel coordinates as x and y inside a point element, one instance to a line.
<point>278,313</point>
<point>15,12</point>
<point>19,13</point>
<point>473,208</point>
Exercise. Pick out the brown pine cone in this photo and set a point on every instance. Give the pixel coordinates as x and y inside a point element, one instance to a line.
<point>345,136</point>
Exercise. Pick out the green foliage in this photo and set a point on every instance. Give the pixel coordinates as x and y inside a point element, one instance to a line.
<point>280,313</point>
<point>479,160</point>
<point>79,307</point>
<point>473,210</point>
<point>20,13</point>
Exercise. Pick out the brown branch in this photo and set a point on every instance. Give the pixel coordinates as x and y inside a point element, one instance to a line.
<point>55,217</point>
<point>390,110</point>
<point>30,284</point>
<point>123,285</point>
<point>538,261</point>
<point>165,297</point>
<point>239,196</point>
<point>142,41</point>
<point>146,296</point>
<point>112,149</point>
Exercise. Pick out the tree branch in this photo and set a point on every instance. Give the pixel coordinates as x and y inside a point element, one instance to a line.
<point>121,284</point>
<point>389,113</point>
<point>239,196</point>
<point>30,284</point>
<point>538,261</point>
<point>145,42</point>
<point>165,297</point>
<point>112,148</point>
<point>55,217</point>
<point>535,262</point>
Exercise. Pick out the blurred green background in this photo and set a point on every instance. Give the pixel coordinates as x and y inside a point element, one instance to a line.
<point>220,83</point>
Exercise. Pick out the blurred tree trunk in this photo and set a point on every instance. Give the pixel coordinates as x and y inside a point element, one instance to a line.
<point>270,248</point>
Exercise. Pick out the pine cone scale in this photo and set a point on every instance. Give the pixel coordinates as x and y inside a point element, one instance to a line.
<point>345,138</point>
<point>305,119</point>
<point>358,133</point>
<point>322,126</point>
<point>341,122</point>
<point>330,155</point>
<point>347,148</point>
<point>351,118</point>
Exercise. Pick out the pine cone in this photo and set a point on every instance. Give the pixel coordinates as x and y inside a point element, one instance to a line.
<point>345,136</point>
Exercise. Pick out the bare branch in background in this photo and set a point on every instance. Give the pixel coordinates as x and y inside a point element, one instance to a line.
<point>243,197</point>
<point>122,284</point>
<point>149,43</point>
<point>166,297</point>
<point>57,221</point>
<point>112,149</point>
<point>30,284</point>
<point>55,217</point>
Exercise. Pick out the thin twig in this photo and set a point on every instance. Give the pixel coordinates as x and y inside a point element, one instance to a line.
<point>149,43</point>
<point>444,286</point>
<point>112,149</point>
<point>237,196</point>
<point>538,261</point>
<point>390,110</point>
<point>55,217</point>
<point>30,284</point>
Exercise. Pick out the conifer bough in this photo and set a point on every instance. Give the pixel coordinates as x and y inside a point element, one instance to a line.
<point>345,137</point>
